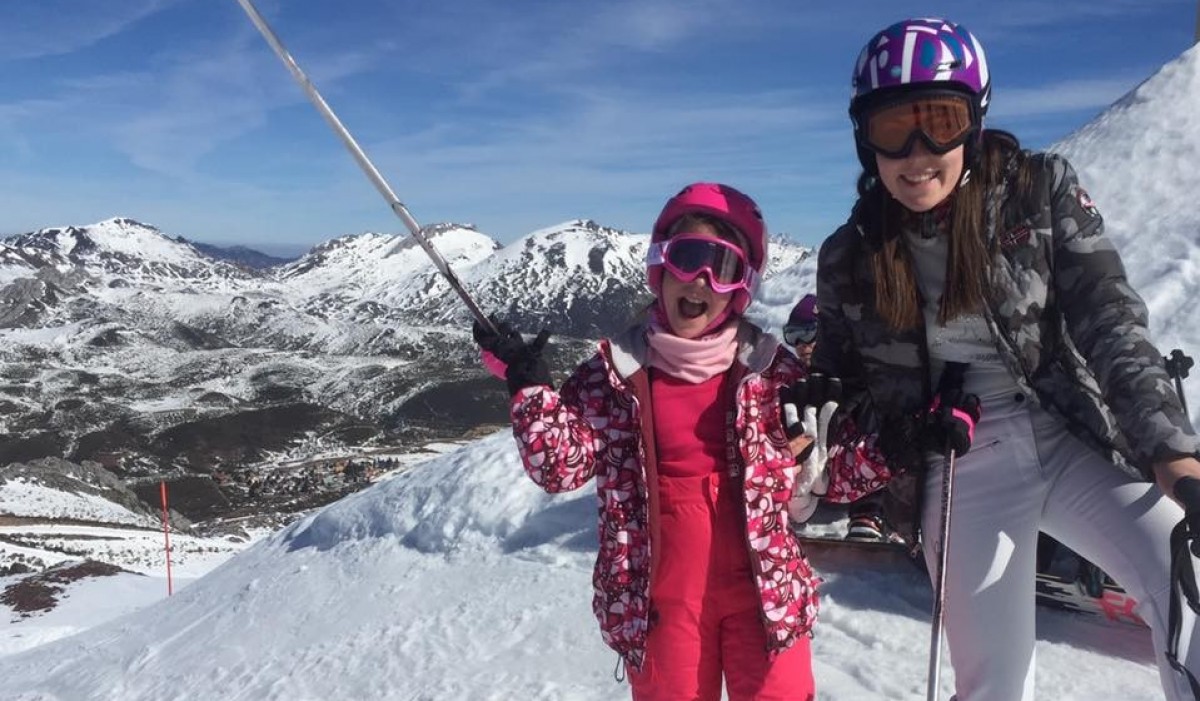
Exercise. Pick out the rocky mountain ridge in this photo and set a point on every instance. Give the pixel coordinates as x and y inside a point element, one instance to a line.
<point>123,345</point>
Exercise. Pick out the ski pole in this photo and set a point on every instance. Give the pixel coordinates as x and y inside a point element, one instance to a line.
<point>932,692</point>
<point>363,162</point>
<point>952,378</point>
<point>1178,365</point>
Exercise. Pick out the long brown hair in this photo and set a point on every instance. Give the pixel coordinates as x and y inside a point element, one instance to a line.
<point>897,296</point>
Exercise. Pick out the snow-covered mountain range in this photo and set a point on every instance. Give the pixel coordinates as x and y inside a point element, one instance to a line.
<point>571,278</point>
<point>122,344</point>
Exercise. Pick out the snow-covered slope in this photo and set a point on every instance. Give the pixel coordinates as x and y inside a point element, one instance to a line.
<point>461,580</point>
<point>1138,161</point>
<point>55,490</point>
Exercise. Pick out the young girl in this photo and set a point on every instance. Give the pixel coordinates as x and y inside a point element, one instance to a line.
<point>965,248</point>
<point>698,575</point>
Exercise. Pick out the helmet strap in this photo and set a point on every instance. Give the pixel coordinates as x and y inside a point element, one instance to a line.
<point>972,156</point>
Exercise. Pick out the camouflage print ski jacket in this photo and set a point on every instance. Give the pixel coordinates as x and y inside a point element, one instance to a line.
<point>1065,319</point>
<point>601,425</point>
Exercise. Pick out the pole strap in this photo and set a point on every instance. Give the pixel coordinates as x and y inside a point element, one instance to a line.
<point>1183,582</point>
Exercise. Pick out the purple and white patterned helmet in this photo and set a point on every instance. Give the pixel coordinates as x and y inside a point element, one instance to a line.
<point>918,54</point>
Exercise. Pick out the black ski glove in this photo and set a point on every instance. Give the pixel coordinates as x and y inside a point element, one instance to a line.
<point>1187,492</point>
<point>525,365</point>
<point>950,424</point>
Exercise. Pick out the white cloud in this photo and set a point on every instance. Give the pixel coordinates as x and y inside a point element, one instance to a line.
<point>170,112</point>
<point>34,28</point>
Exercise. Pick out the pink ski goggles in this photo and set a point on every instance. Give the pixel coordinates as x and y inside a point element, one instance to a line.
<point>688,255</point>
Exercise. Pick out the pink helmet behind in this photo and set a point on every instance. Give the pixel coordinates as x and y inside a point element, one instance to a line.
<point>726,204</point>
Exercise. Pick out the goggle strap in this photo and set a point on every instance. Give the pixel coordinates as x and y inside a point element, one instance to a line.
<point>920,135</point>
<point>654,254</point>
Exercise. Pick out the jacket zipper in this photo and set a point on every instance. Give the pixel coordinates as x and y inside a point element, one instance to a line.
<point>755,562</point>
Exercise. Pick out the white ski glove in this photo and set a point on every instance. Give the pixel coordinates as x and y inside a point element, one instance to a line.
<point>812,479</point>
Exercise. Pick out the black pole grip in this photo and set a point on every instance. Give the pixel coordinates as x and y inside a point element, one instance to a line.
<point>833,390</point>
<point>1179,364</point>
<point>953,376</point>
<point>1187,492</point>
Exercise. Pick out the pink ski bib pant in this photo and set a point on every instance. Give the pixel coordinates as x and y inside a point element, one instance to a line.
<point>706,618</point>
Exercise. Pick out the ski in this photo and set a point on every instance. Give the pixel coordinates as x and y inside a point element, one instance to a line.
<point>1113,604</point>
<point>1053,591</point>
<point>892,551</point>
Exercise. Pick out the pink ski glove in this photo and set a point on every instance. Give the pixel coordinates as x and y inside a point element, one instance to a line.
<point>493,364</point>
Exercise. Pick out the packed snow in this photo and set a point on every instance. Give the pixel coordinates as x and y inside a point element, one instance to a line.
<point>461,579</point>
<point>23,497</point>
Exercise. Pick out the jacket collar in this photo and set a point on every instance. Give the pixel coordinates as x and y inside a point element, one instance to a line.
<point>629,351</point>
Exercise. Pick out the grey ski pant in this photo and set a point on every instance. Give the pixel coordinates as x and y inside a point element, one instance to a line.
<point>1024,473</point>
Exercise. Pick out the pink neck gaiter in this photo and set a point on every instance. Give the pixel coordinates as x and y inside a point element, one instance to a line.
<point>692,359</point>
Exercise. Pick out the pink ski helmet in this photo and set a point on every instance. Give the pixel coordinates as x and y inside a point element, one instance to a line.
<point>919,55</point>
<point>731,207</point>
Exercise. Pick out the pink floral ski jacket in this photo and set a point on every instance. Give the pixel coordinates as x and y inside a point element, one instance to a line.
<point>597,426</point>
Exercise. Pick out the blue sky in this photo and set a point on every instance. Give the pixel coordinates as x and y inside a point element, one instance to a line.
<point>512,116</point>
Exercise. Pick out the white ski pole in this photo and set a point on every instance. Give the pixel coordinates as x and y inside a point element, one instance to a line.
<point>932,692</point>
<point>952,378</point>
<point>363,162</point>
